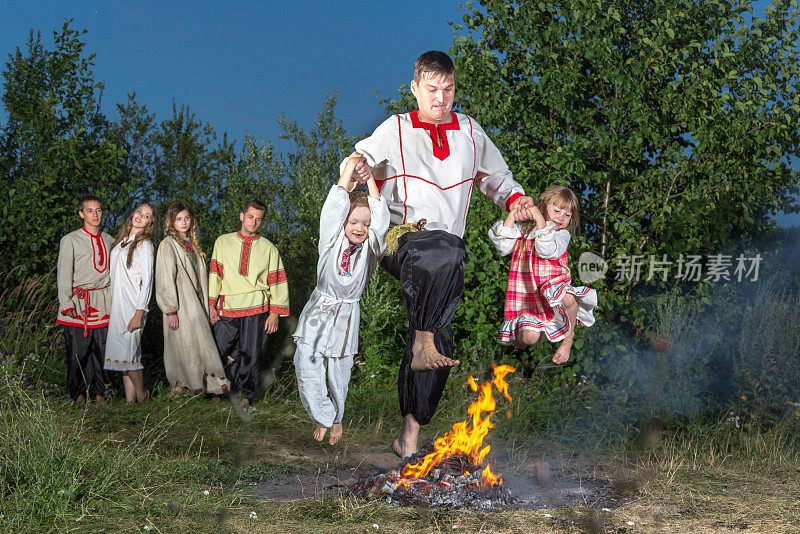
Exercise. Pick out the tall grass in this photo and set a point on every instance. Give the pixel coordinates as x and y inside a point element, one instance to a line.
<point>53,474</point>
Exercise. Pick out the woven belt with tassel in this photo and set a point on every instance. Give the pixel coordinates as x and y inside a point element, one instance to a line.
<point>393,237</point>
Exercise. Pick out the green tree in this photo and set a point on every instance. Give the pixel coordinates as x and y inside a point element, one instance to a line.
<point>176,159</point>
<point>674,121</point>
<point>53,149</point>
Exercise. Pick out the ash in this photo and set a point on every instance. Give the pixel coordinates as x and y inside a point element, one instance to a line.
<point>455,483</point>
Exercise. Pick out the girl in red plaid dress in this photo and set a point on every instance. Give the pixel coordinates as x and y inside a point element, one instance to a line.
<point>540,299</point>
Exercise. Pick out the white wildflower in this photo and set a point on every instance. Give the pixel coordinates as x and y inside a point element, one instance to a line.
<point>630,523</point>
<point>548,516</point>
<point>253,515</point>
<point>206,492</point>
<point>375,526</point>
<point>605,509</point>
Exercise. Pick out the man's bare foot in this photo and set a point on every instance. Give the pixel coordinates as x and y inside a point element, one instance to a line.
<point>80,399</point>
<point>319,432</point>
<point>336,433</point>
<point>427,357</point>
<point>100,400</point>
<point>561,355</point>
<point>403,449</point>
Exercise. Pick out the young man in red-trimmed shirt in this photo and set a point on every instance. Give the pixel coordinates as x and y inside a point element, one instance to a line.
<point>247,293</point>
<point>84,301</point>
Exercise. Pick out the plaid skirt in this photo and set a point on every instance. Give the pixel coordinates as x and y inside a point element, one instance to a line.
<point>536,289</point>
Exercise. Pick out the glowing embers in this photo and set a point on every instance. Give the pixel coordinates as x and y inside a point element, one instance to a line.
<point>450,471</point>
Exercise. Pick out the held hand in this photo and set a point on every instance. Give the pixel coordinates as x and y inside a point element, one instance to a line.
<point>522,202</point>
<point>362,171</point>
<point>213,315</point>
<point>70,313</point>
<point>271,325</point>
<point>136,322</point>
<point>537,216</point>
<point>173,322</point>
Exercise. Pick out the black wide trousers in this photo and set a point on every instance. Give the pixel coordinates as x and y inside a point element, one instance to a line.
<point>85,359</point>
<point>430,267</point>
<point>242,344</point>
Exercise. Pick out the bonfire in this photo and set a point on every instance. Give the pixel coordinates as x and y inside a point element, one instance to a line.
<point>450,471</point>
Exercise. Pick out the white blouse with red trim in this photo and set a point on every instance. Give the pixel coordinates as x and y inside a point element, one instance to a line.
<point>427,172</point>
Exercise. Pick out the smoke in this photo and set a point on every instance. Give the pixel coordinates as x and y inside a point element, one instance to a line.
<point>708,352</point>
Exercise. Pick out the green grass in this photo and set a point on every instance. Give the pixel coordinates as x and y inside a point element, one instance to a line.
<point>184,465</point>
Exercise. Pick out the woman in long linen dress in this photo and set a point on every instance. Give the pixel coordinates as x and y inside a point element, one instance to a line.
<point>191,359</point>
<point>131,263</point>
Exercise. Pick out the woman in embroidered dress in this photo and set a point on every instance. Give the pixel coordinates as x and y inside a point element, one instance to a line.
<point>131,263</point>
<point>540,298</point>
<point>191,359</point>
<point>352,238</point>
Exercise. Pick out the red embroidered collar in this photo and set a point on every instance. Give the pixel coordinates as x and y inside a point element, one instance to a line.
<point>437,132</point>
<point>247,238</point>
<point>98,249</point>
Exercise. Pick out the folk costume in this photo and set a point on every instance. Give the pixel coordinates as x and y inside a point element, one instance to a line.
<point>131,288</point>
<point>83,280</point>
<point>426,173</point>
<point>327,331</point>
<point>246,283</point>
<point>538,280</point>
<point>191,359</point>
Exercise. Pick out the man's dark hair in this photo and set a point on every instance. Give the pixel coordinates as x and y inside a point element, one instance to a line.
<point>89,198</point>
<point>255,204</point>
<point>435,62</point>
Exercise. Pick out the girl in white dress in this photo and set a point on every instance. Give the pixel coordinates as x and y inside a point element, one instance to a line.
<point>352,238</point>
<point>131,262</point>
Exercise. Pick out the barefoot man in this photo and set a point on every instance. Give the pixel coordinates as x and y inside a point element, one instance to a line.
<point>426,164</point>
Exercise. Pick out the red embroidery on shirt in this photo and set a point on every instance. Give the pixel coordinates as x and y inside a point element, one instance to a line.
<point>403,161</point>
<point>217,267</point>
<point>100,264</point>
<point>437,132</point>
<point>244,260</point>
<point>276,277</point>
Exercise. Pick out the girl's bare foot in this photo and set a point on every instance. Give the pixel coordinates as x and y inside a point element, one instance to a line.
<point>336,433</point>
<point>80,399</point>
<point>319,432</point>
<point>561,355</point>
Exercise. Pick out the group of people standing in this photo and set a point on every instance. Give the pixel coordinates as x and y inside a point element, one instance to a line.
<point>420,169</point>
<point>215,323</point>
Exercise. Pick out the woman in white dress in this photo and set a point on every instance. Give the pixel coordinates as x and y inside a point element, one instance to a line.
<point>191,359</point>
<point>131,262</point>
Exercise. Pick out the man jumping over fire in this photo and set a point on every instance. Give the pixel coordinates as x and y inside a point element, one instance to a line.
<point>426,163</point>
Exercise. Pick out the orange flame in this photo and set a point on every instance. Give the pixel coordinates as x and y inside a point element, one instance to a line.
<point>467,439</point>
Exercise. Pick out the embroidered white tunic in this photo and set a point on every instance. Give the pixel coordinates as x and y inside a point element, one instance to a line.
<point>130,291</point>
<point>428,172</point>
<point>330,318</point>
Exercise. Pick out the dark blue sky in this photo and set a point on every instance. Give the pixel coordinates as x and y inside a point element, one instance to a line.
<point>239,64</point>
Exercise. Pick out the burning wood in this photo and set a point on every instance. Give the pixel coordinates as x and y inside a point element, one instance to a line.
<point>449,471</point>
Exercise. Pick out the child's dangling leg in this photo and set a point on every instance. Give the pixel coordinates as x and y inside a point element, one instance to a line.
<point>525,338</point>
<point>338,372</point>
<point>309,369</point>
<point>562,353</point>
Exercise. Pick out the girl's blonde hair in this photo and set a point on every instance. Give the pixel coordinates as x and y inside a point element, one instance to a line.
<point>146,234</point>
<point>561,197</point>
<point>169,226</point>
